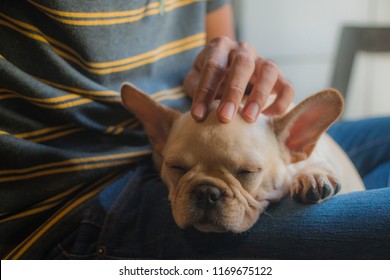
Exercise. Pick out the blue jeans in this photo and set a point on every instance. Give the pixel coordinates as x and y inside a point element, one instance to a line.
<point>367,143</point>
<point>132,217</point>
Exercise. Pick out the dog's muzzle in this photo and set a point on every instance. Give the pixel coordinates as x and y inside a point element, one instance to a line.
<point>207,196</point>
<point>207,202</point>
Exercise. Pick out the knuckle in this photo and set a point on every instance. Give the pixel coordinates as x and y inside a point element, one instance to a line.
<point>244,58</point>
<point>244,45</point>
<point>235,91</point>
<point>269,66</point>
<point>259,92</point>
<point>214,66</point>
<point>220,41</point>
<point>248,48</point>
<point>206,91</point>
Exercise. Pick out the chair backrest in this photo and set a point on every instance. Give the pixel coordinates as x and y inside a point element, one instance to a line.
<point>354,39</point>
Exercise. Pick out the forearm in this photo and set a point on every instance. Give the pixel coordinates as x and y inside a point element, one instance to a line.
<point>220,23</point>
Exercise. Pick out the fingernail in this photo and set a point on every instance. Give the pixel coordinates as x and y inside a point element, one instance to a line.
<point>252,111</point>
<point>227,111</point>
<point>199,111</point>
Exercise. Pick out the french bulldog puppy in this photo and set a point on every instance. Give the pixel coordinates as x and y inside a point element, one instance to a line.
<point>221,177</point>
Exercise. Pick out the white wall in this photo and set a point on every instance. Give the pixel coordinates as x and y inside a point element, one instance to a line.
<point>301,37</point>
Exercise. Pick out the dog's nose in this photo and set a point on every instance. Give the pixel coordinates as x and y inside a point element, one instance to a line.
<point>207,196</point>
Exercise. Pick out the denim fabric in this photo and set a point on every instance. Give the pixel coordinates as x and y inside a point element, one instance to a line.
<point>132,219</point>
<point>367,143</point>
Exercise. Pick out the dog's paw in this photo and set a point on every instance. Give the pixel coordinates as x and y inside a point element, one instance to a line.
<point>314,188</point>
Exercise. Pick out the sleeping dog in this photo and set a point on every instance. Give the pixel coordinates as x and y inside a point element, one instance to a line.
<point>221,177</point>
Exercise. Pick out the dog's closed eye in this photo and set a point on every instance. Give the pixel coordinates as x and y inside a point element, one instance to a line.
<point>245,172</point>
<point>180,168</point>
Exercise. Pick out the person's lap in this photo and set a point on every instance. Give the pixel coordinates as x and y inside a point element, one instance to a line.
<point>136,222</point>
<point>132,219</point>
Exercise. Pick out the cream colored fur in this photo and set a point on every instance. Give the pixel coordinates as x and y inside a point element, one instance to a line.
<point>221,177</point>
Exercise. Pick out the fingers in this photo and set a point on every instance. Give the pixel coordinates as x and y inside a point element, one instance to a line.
<point>225,69</point>
<point>211,64</point>
<point>265,77</point>
<point>241,70</point>
<point>283,99</point>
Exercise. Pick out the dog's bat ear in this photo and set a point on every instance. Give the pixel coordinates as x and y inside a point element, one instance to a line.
<point>155,118</point>
<point>300,129</point>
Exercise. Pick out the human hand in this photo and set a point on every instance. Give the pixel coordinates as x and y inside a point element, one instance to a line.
<point>224,69</point>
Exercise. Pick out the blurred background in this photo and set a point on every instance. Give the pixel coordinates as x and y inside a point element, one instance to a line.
<point>325,43</point>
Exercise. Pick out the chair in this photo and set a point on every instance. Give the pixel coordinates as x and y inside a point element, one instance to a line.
<point>354,39</point>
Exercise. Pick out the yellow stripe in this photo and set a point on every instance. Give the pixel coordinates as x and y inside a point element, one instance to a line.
<point>4,94</point>
<point>21,23</point>
<point>23,247</point>
<point>146,55</point>
<point>74,100</point>
<point>95,14</point>
<point>65,105</point>
<point>101,22</point>
<point>150,60</point>
<point>166,92</point>
<point>42,131</point>
<point>28,213</point>
<point>124,16</point>
<point>173,93</point>
<point>80,91</point>
<point>42,100</point>
<point>30,35</point>
<point>50,99</point>
<point>36,136</point>
<point>67,170</point>
<point>139,60</point>
<point>61,195</point>
<point>110,63</point>
<point>53,201</point>
<point>170,94</point>
<point>133,123</point>
<point>111,129</point>
<point>76,161</point>
<point>172,97</point>
<point>52,42</point>
<point>42,37</point>
<point>135,61</point>
<point>118,130</point>
<point>96,95</point>
<point>56,135</point>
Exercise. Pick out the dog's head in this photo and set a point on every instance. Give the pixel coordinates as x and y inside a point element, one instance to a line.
<point>220,177</point>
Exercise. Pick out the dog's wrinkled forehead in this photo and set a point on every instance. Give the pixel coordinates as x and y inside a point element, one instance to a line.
<point>211,138</point>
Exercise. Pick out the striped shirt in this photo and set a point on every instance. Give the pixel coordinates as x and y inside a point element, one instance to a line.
<point>64,134</point>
